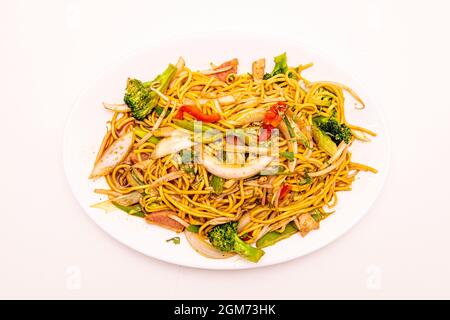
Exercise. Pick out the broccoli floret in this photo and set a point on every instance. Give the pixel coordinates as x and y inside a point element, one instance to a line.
<point>225,238</point>
<point>137,97</point>
<point>280,67</point>
<point>338,132</point>
<point>141,99</point>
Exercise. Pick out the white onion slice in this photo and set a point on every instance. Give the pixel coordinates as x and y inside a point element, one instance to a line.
<point>125,200</point>
<point>165,132</point>
<point>171,145</point>
<point>234,172</point>
<point>116,107</point>
<point>243,221</point>
<point>168,177</point>
<point>331,167</point>
<point>115,154</point>
<point>246,117</point>
<point>226,100</point>
<point>128,199</point>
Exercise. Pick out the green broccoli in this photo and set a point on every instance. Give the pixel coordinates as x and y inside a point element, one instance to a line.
<point>281,66</point>
<point>338,132</point>
<point>141,99</point>
<point>225,238</point>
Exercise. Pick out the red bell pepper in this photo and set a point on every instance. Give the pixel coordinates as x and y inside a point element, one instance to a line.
<point>285,189</point>
<point>275,114</point>
<point>197,114</point>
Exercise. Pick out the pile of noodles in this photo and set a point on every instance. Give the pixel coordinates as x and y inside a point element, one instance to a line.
<point>256,199</point>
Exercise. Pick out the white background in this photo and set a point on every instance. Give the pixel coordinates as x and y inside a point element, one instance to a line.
<point>51,49</point>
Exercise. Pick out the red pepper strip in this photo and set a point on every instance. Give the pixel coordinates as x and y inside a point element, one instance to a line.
<point>197,114</point>
<point>265,133</point>
<point>285,189</point>
<point>274,115</point>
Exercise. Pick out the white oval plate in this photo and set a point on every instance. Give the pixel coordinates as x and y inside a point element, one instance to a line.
<point>86,127</point>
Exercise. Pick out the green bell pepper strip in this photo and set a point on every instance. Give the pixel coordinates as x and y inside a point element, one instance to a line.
<point>134,210</point>
<point>273,237</point>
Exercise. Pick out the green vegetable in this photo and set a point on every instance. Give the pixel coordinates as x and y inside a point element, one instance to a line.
<point>190,125</point>
<point>174,240</point>
<point>317,215</point>
<point>136,178</point>
<point>141,134</point>
<point>338,132</point>
<point>217,184</point>
<point>225,238</point>
<point>188,169</point>
<point>187,156</point>
<point>288,155</point>
<point>274,171</point>
<point>289,127</point>
<point>307,179</point>
<point>280,67</point>
<point>193,228</point>
<point>323,141</point>
<point>209,134</point>
<point>135,210</point>
<point>141,99</point>
<point>273,237</point>
<point>159,110</point>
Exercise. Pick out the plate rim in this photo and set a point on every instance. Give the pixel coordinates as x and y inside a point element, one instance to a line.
<point>120,59</point>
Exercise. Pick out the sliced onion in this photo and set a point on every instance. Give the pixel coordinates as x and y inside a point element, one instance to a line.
<point>169,132</point>
<point>168,177</point>
<point>251,116</point>
<point>115,154</point>
<point>128,199</point>
<point>204,248</point>
<point>143,164</point>
<point>243,221</point>
<point>125,200</point>
<point>217,106</point>
<point>161,117</point>
<point>262,233</point>
<point>331,167</point>
<point>338,153</point>
<point>116,107</point>
<point>180,65</point>
<point>171,145</point>
<point>226,100</point>
<point>234,172</point>
<point>251,103</point>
